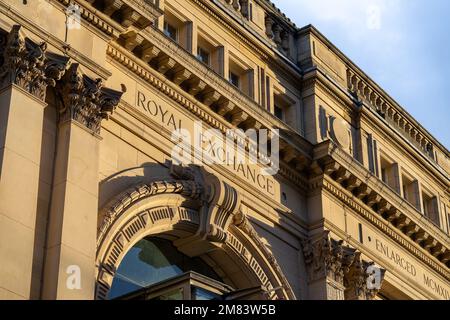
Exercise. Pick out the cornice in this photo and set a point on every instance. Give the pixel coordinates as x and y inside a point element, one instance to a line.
<point>284,217</point>
<point>343,195</point>
<point>383,202</point>
<point>316,76</point>
<point>94,17</point>
<point>147,74</point>
<point>410,150</point>
<point>53,40</point>
<point>242,109</point>
<point>310,29</point>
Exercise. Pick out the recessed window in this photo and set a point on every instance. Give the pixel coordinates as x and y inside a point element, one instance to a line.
<point>284,107</point>
<point>279,112</point>
<point>210,52</point>
<point>430,208</point>
<point>410,191</point>
<point>203,55</point>
<point>234,79</point>
<point>389,173</point>
<point>241,76</point>
<point>178,28</point>
<point>171,31</point>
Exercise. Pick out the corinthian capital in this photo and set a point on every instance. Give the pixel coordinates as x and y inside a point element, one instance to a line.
<point>363,280</point>
<point>29,65</point>
<point>327,257</point>
<point>85,100</point>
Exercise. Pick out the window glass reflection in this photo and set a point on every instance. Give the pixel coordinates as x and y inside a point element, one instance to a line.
<point>153,260</point>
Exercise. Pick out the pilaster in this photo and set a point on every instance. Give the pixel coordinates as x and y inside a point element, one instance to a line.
<point>26,70</point>
<point>71,245</point>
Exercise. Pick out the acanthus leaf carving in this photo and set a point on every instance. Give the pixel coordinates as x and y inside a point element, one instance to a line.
<point>29,65</point>
<point>86,100</point>
<point>330,260</point>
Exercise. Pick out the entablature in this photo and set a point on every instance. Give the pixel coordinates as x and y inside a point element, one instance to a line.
<point>367,190</point>
<point>373,97</point>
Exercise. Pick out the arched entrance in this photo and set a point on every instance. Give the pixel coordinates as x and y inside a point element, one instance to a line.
<point>201,217</point>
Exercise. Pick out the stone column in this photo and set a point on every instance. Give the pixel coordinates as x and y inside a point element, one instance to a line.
<point>25,73</point>
<point>72,233</point>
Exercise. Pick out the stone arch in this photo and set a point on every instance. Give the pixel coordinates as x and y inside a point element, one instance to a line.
<point>176,210</point>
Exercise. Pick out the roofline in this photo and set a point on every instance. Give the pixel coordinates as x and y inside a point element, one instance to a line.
<point>312,29</point>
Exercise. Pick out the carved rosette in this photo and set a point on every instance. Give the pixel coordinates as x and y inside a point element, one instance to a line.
<point>328,259</point>
<point>85,100</point>
<point>29,65</point>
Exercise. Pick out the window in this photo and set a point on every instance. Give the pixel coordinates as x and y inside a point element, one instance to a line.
<point>178,28</point>
<point>210,52</point>
<point>203,55</point>
<point>171,31</point>
<point>279,113</point>
<point>389,173</point>
<point>234,79</point>
<point>241,76</point>
<point>284,106</point>
<point>430,208</point>
<point>410,190</point>
<point>152,261</point>
<point>154,269</point>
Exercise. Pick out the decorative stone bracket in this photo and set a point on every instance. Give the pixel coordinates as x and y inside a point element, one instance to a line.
<point>209,218</point>
<point>220,203</point>
<point>329,260</point>
<point>28,64</point>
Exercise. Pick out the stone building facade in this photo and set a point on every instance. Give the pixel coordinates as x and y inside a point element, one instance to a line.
<point>93,206</point>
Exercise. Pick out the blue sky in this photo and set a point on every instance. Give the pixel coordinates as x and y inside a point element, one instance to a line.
<point>403,45</point>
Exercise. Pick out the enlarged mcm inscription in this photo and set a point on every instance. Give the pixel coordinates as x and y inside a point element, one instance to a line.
<point>413,270</point>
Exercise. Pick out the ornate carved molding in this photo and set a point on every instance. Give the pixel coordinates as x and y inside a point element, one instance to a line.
<point>326,257</point>
<point>129,217</point>
<point>339,266</point>
<point>28,64</point>
<point>242,222</point>
<point>377,101</point>
<point>187,188</point>
<point>85,100</point>
<point>356,280</point>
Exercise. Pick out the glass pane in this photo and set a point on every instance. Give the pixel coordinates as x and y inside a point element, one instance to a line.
<point>202,294</point>
<point>151,261</point>
<point>234,79</point>
<point>170,31</point>
<point>203,55</point>
<point>279,113</point>
<point>171,295</point>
